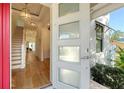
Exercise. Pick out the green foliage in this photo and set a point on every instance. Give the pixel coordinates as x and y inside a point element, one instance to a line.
<point>119,61</point>
<point>111,77</point>
<point>115,36</point>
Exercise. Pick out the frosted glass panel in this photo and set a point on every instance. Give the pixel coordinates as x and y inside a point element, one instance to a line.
<point>69,30</point>
<point>69,77</point>
<point>70,54</point>
<point>67,8</point>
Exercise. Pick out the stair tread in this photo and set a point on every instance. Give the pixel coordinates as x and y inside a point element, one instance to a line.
<point>17,41</point>
<point>15,64</point>
<point>16,56</point>
<point>16,59</point>
<point>17,52</point>
<point>14,46</point>
<point>16,49</point>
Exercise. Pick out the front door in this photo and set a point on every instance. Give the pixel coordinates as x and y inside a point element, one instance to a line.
<point>70,45</point>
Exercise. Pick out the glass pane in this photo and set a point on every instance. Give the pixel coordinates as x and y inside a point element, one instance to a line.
<point>69,30</point>
<point>70,54</point>
<point>99,31</point>
<point>67,8</point>
<point>69,77</point>
<point>98,45</point>
<point>99,37</point>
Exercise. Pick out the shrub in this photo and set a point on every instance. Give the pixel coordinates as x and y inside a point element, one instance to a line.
<point>111,77</point>
<point>119,61</point>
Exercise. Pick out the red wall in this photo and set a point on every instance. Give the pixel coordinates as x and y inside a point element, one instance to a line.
<point>5,46</point>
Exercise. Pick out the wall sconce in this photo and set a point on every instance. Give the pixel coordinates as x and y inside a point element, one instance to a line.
<point>48,26</point>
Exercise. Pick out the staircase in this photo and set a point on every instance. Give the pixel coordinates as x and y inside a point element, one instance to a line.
<point>16,53</point>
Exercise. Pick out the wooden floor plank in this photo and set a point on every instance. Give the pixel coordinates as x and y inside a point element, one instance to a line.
<point>35,75</point>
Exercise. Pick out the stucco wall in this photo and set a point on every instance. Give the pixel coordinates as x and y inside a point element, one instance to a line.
<point>101,57</point>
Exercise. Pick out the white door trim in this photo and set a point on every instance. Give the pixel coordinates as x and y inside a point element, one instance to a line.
<point>85,26</point>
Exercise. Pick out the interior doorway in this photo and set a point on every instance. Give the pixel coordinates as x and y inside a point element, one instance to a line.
<point>30,45</point>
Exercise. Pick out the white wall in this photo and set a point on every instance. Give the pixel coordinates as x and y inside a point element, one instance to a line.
<point>31,38</point>
<point>43,42</point>
<point>13,24</point>
<point>46,42</point>
<point>39,51</point>
<point>101,57</point>
<point>43,35</point>
<point>93,43</point>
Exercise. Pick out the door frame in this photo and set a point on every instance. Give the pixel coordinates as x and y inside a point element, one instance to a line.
<point>5,45</point>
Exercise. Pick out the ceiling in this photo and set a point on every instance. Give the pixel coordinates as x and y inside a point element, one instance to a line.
<point>39,12</point>
<point>34,8</point>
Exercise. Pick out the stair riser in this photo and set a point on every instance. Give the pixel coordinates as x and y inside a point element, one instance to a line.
<point>13,51</point>
<point>16,66</point>
<point>16,41</point>
<point>15,46</point>
<point>14,55</point>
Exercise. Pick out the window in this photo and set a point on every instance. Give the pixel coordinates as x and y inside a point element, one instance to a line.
<point>68,8</point>
<point>99,38</point>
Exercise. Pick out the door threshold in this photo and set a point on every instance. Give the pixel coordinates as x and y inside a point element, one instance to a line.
<point>45,86</point>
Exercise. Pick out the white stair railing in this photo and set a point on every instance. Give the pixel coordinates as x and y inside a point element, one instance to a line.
<point>23,52</point>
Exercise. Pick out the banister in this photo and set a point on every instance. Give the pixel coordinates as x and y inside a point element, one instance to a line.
<point>23,50</point>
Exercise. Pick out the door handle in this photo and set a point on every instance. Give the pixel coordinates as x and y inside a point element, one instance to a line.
<point>86,57</point>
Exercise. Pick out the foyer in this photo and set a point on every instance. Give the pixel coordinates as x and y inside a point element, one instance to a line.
<point>30,47</point>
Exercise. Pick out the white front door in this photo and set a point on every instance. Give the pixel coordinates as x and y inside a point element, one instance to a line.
<point>70,45</point>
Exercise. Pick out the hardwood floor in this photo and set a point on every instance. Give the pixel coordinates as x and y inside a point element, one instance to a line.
<point>35,75</point>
